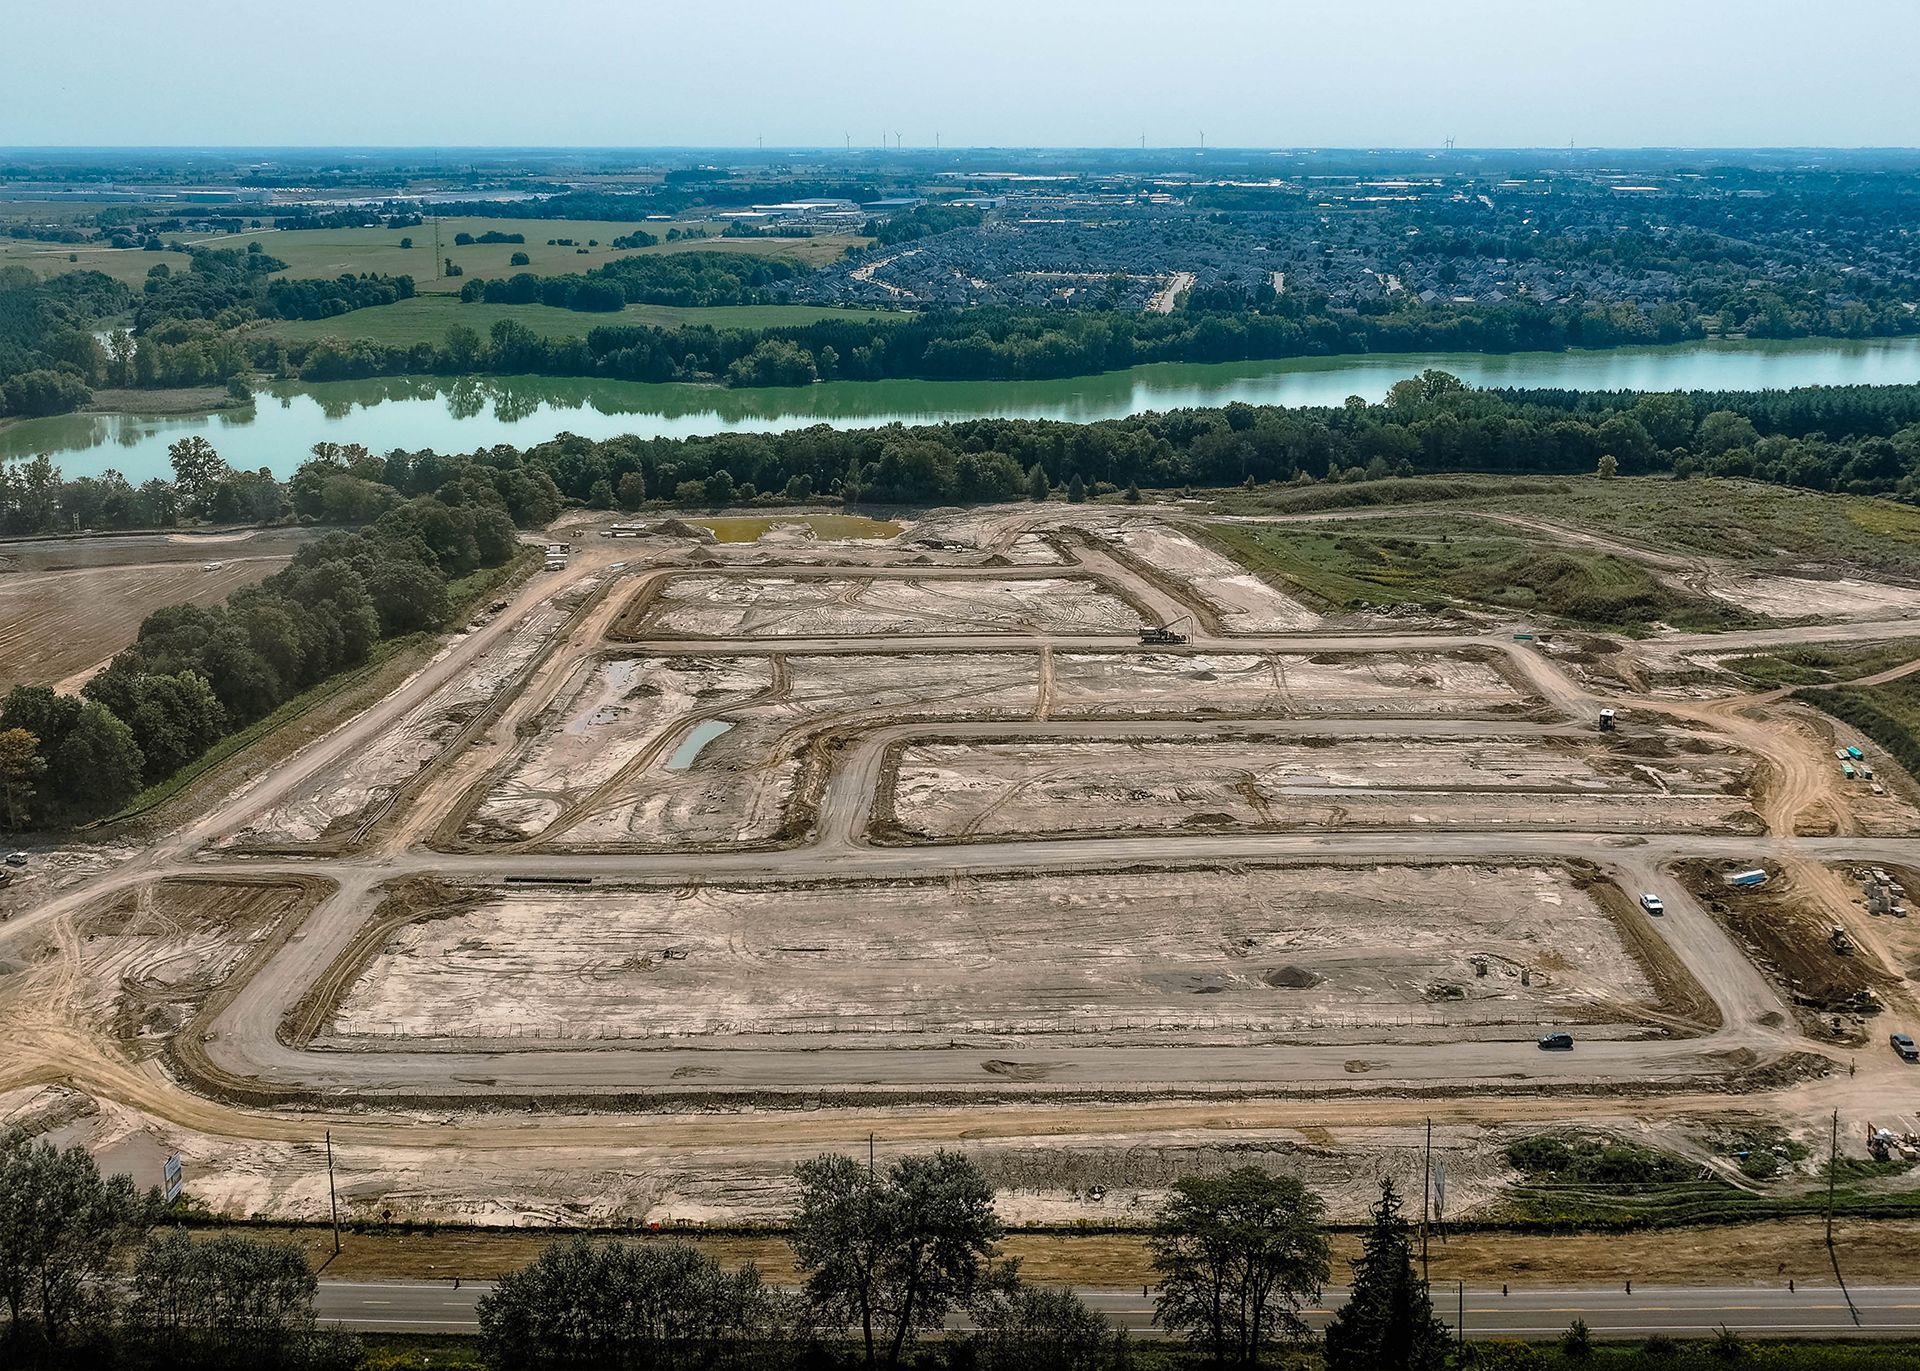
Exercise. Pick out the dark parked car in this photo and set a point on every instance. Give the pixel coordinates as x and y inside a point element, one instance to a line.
<point>1557,1042</point>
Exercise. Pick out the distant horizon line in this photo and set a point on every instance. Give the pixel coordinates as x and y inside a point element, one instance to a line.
<point>1314,148</point>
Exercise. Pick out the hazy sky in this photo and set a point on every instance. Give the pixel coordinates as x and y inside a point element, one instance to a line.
<point>980,72</point>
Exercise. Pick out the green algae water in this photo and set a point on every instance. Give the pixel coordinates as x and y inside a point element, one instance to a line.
<point>461,415</point>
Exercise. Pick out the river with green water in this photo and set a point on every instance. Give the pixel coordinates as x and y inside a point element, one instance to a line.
<point>286,420</point>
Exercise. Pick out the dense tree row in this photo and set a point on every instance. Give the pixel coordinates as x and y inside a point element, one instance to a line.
<point>1853,439</point>
<point>1860,440</point>
<point>230,287</point>
<point>976,344</point>
<point>685,279</point>
<point>83,1287</point>
<point>196,673</point>
<point>48,357</point>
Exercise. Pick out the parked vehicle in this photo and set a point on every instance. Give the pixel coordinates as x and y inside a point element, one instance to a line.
<point>1652,904</point>
<point>1557,1042</point>
<point>1903,1044</point>
<point>16,859</point>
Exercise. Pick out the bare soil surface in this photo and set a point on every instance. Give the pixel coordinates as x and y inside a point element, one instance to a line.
<point>60,627</point>
<point>962,791</point>
<point>607,934</point>
<point>1146,954</point>
<point>732,607</point>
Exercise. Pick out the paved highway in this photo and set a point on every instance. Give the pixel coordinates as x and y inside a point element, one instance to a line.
<point>1678,1311</point>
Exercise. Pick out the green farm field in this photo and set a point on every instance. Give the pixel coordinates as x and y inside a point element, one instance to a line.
<point>122,264</point>
<point>327,253</point>
<point>426,319</point>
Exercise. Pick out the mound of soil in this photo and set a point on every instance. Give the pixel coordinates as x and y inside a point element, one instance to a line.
<point>1292,978</point>
<point>677,528</point>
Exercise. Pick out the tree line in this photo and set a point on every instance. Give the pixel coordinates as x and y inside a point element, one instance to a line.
<point>886,1257</point>
<point>1851,439</point>
<point>691,279</point>
<point>195,674</point>
<point>1857,440</point>
<point>46,337</point>
<point>977,344</point>
<point>90,1280</point>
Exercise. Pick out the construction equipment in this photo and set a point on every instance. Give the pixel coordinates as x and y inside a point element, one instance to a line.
<point>1165,635</point>
<point>1606,720</point>
<point>1838,940</point>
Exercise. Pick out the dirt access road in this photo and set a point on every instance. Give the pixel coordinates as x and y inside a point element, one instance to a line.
<point>1018,1086</point>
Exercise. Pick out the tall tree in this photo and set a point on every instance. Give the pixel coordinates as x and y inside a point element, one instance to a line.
<point>98,765</point>
<point>62,1227</point>
<point>1038,487</point>
<point>1238,1257</point>
<point>197,472</point>
<point>891,1253</point>
<point>1387,1323</point>
<point>21,767</point>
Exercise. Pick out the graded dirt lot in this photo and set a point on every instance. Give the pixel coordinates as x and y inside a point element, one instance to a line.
<point>67,605</point>
<point>1467,684</point>
<point>961,791</point>
<point>662,752</point>
<point>1238,601</point>
<point>1102,957</point>
<point>699,858</point>
<point>827,607</point>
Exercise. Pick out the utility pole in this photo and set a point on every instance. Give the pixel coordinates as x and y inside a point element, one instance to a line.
<point>1426,1198</point>
<point>333,1199</point>
<point>1460,1318</point>
<point>869,1156</point>
<point>1833,1167</point>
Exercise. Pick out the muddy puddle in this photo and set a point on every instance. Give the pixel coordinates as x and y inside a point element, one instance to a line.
<point>697,738</point>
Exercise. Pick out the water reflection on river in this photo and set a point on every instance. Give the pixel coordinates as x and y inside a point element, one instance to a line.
<point>460,415</point>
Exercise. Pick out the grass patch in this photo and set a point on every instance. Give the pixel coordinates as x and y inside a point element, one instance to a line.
<point>1353,566</point>
<point>418,1352</point>
<point>128,265</point>
<point>1768,527</point>
<point>1594,1160</point>
<point>1406,490</point>
<point>1805,666</point>
<point>327,253</point>
<point>1888,714</point>
<point>426,319</point>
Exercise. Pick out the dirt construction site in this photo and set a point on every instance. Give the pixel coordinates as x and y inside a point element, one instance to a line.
<point>1047,832</point>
